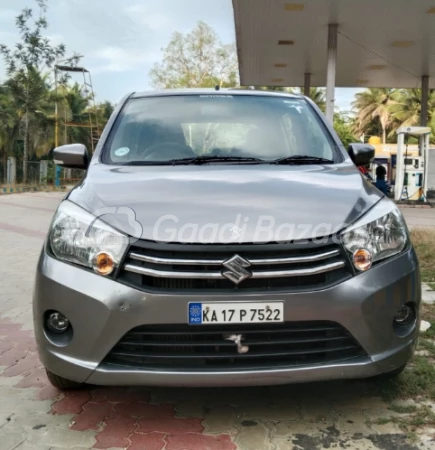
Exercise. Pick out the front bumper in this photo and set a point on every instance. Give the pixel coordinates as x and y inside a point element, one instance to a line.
<point>102,311</point>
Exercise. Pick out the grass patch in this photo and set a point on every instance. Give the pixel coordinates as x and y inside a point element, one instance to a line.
<point>424,243</point>
<point>428,314</point>
<point>421,416</point>
<point>418,381</point>
<point>403,409</point>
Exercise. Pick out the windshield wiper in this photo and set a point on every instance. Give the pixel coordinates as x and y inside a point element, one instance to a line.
<point>198,160</point>
<point>303,159</point>
<point>212,159</point>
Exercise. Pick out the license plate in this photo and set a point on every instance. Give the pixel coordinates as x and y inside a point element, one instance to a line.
<point>240,312</point>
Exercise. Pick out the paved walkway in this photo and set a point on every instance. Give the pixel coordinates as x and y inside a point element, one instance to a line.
<point>419,217</point>
<point>35,416</point>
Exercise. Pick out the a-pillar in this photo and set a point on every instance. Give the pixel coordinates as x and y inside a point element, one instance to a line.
<point>331,71</point>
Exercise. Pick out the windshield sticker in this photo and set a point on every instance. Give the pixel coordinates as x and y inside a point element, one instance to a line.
<point>122,151</point>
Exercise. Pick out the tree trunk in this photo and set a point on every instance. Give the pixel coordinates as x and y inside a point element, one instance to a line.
<point>26,147</point>
<point>384,135</point>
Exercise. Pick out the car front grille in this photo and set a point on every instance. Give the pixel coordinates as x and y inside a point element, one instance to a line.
<point>182,347</point>
<point>151,266</point>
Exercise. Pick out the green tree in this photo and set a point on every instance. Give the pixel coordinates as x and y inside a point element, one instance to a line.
<point>373,106</point>
<point>25,65</point>
<point>9,125</point>
<point>317,95</point>
<point>406,108</point>
<point>343,125</point>
<point>196,59</point>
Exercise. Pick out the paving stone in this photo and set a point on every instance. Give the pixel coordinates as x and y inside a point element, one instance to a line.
<point>37,421</point>
<point>255,436</point>
<point>191,441</point>
<point>151,441</point>
<point>170,425</point>
<point>120,395</point>
<point>92,417</point>
<point>14,401</point>
<point>352,422</point>
<point>428,294</point>
<point>10,440</point>
<point>190,408</point>
<point>61,437</point>
<point>220,420</point>
<point>116,433</point>
<point>5,417</point>
<point>72,402</point>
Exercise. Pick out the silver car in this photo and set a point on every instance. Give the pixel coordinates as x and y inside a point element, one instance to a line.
<point>223,238</point>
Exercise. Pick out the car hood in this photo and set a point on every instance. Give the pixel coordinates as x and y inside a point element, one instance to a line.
<point>226,203</point>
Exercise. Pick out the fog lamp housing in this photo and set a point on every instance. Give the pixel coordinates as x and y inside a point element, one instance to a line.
<point>405,320</point>
<point>57,323</point>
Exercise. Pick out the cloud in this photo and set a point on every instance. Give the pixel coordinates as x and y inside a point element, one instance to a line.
<point>144,15</point>
<point>118,59</point>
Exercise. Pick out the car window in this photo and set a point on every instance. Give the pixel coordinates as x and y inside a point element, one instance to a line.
<point>161,129</point>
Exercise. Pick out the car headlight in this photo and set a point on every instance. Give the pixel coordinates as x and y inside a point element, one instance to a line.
<point>79,237</point>
<point>378,235</point>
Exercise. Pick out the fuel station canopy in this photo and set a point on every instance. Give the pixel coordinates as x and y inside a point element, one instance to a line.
<point>343,43</point>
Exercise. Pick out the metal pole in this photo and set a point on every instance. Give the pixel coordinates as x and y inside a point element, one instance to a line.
<point>332,66</point>
<point>398,188</point>
<point>307,84</point>
<point>424,100</point>
<point>56,127</point>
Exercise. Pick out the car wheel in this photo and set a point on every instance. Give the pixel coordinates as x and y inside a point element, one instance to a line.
<point>62,383</point>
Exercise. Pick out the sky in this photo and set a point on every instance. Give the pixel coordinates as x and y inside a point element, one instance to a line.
<point>122,39</point>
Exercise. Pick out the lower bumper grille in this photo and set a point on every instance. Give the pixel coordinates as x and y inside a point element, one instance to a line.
<point>181,347</point>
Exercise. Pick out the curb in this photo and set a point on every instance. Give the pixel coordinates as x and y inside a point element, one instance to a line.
<point>15,190</point>
<point>18,190</point>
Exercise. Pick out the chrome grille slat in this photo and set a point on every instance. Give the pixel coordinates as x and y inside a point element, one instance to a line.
<point>213,275</point>
<point>225,268</point>
<point>219,262</point>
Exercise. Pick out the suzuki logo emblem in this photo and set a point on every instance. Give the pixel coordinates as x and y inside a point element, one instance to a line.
<point>237,269</point>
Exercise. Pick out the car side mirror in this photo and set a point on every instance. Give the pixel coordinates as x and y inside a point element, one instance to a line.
<point>72,156</point>
<point>361,154</point>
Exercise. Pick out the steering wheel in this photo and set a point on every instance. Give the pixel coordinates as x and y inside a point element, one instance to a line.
<point>166,151</point>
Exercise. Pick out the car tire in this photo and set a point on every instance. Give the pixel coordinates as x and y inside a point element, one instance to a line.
<point>62,383</point>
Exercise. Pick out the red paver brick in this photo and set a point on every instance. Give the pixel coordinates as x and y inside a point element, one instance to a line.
<point>11,357</point>
<point>6,327</point>
<point>72,403</point>
<point>47,392</point>
<point>37,378</point>
<point>193,441</point>
<point>152,441</point>
<point>170,425</point>
<point>116,433</point>
<point>92,416</point>
<point>143,410</point>
<point>5,345</point>
<point>119,395</point>
<point>31,361</point>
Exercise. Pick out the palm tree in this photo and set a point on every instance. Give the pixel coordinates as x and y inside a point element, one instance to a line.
<point>374,105</point>
<point>406,108</point>
<point>9,126</point>
<point>30,92</point>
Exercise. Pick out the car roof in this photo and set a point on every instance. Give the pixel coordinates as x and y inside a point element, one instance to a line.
<point>211,91</point>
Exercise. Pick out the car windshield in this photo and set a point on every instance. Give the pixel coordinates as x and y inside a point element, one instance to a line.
<point>218,127</point>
